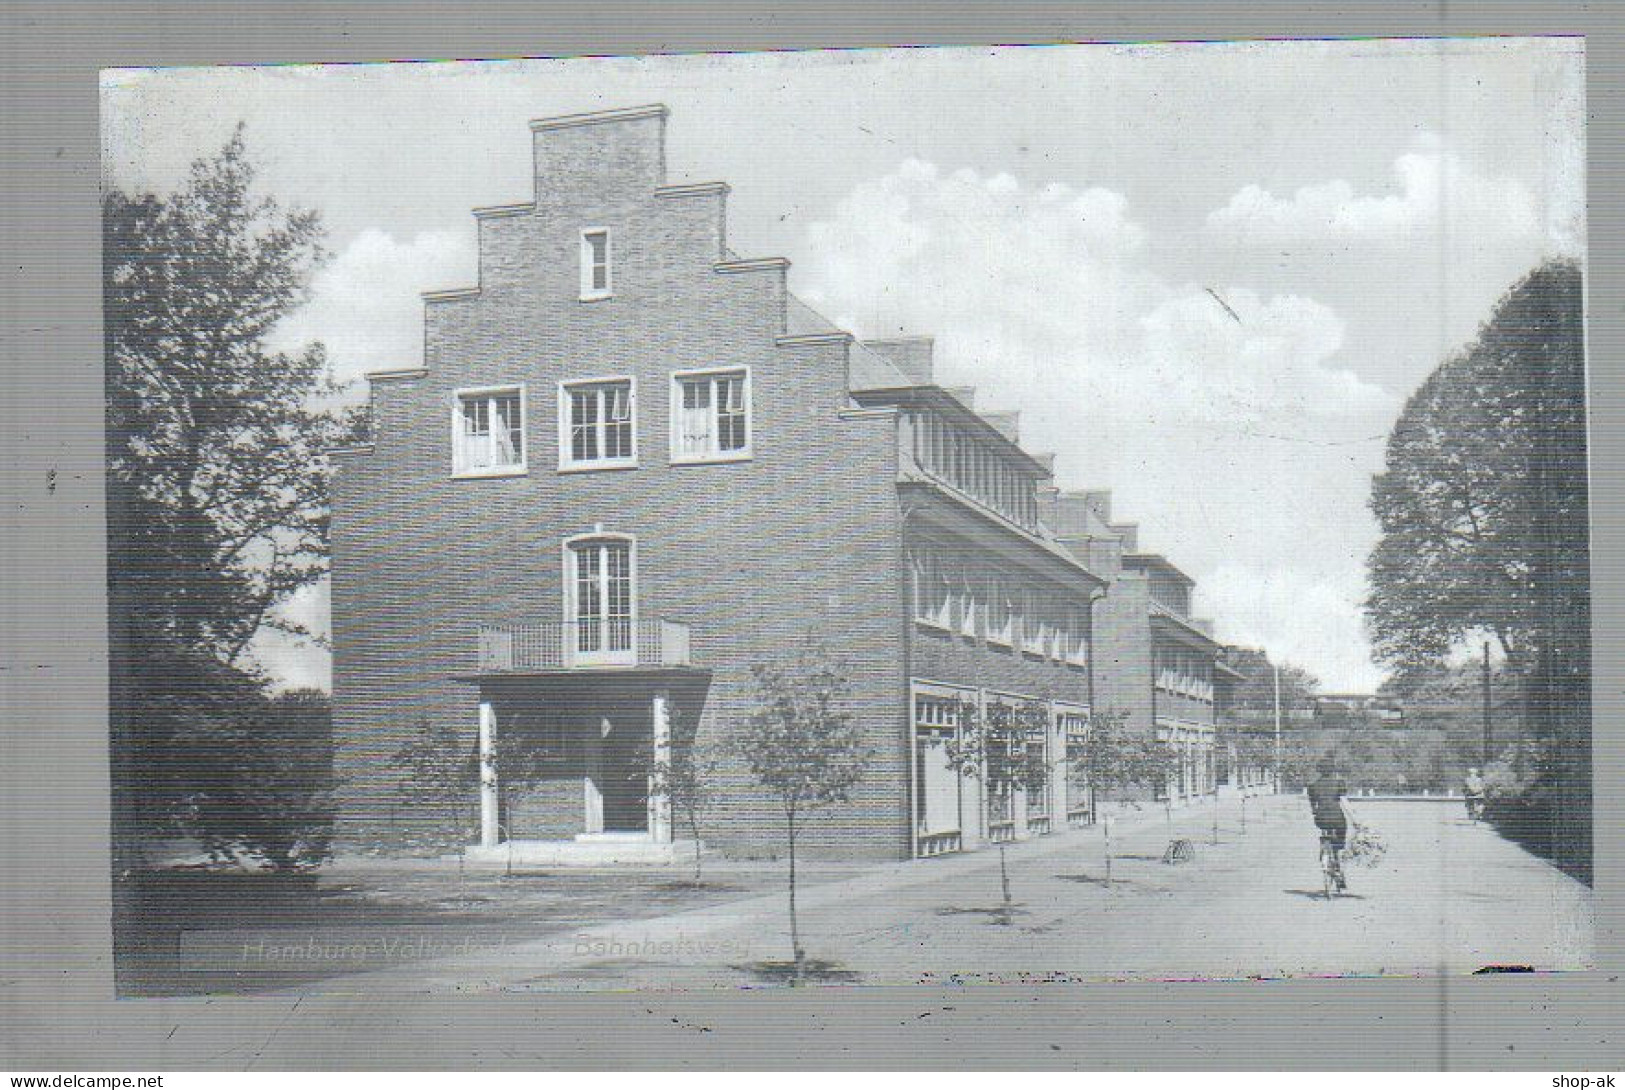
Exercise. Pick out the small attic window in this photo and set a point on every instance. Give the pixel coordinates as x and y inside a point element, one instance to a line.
<point>595,256</point>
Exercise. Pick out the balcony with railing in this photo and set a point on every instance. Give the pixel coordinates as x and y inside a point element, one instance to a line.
<point>542,647</point>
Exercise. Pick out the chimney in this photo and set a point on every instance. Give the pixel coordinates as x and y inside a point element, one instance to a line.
<point>1067,516</point>
<point>1130,533</point>
<point>1008,424</point>
<point>615,155</point>
<point>1100,502</point>
<point>910,355</point>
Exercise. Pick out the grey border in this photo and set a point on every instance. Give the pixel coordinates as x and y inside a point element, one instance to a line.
<point>56,1013</point>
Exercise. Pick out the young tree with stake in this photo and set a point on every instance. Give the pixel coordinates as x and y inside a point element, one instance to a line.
<point>1119,760</point>
<point>992,744</point>
<point>684,775</point>
<point>804,747</point>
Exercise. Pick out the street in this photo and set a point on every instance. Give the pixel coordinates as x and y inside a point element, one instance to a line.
<point>1447,897</point>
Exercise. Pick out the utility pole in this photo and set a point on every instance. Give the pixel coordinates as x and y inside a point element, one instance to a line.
<point>1279,783</point>
<point>1488,729</point>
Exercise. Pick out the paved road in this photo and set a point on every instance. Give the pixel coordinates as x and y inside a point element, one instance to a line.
<point>1447,897</point>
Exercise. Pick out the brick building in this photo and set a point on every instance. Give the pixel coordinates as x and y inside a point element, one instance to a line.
<point>1153,661</point>
<point>631,466</point>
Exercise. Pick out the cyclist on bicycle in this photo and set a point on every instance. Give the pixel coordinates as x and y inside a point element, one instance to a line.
<point>1326,805</point>
<point>1472,789</point>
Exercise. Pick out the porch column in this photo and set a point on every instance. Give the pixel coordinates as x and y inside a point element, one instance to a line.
<point>660,804</point>
<point>488,775</point>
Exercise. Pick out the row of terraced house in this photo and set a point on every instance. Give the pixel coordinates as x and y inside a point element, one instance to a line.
<point>632,464</point>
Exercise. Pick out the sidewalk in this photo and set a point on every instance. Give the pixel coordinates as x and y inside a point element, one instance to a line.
<point>656,953</point>
<point>1448,897</point>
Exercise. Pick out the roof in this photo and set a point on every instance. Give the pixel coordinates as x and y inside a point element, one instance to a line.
<point>865,369</point>
<point>1183,627</point>
<point>1147,561</point>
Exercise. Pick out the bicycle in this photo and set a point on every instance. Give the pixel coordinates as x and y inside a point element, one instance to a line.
<point>1331,866</point>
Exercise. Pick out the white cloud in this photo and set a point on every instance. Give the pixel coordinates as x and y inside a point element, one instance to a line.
<point>296,662</point>
<point>1437,197</point>
<point>365,304</point>
<point>1224,421</point>
<point>1302,616</point>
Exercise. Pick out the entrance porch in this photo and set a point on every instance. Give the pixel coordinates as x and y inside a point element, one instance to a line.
<point>572,757</point>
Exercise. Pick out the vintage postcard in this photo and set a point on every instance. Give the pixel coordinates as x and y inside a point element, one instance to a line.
<point>1034,514</point>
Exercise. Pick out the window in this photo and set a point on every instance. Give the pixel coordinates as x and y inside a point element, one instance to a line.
<point>1077,651</point>
<point>488,432</point>
<point>972,607</point>
<point>600,600</point>
<point>1033,637</point>
<point>1038,794</point>
<point>710,416</point>
<point>1074,725</point>
<point>933,601</point>
<point>596,429</point>
<point>595,282</point>
<point>936,784</point>
<point>1001,615</point>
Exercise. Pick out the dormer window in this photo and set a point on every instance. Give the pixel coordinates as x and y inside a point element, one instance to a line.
<point>595,258</point>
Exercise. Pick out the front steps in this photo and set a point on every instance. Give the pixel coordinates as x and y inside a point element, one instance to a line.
<point>585,850</point>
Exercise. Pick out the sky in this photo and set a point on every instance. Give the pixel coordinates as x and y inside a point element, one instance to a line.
<point>1208,275</point>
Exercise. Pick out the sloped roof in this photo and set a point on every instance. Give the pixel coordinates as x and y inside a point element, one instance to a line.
<point>866,370</point>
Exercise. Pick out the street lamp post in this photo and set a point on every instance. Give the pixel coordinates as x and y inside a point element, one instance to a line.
<point>1278,780</point>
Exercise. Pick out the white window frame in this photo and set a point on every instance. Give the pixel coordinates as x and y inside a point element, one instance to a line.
<point>972,607</point>
<point>1000,605</point>
<point>939,695</point>
<point>459,469</point>
<point>567,461</point>
<point>1034,640</point>
<point>712,454</point>
<point>571,615</point>
<point>929,572</point>
<point>590,292</point>
<point>1078,638</point>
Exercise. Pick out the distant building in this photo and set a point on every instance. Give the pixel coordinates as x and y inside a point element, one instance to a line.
<point>1356,710</point>
<point>1155,661</point>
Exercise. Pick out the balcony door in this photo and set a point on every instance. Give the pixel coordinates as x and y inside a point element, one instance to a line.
<point>600,631</point>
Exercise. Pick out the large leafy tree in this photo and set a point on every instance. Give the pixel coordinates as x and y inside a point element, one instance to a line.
<point>1483,508</point>
<point>216,463</point>
<point>1482,500</point>
<point>217,503</point>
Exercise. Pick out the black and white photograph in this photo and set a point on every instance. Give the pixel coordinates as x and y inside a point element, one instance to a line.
<point>932,516</point>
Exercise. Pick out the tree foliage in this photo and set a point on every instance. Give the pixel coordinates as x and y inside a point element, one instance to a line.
<point>1257,693</point>
<point>1484,511</point>
<point>217,507</point>
<point>686,777</point>
<point>993,744</point>
<point>803,745</point>
<point>265,789</point>
<point>216,452</point>
<point>1482,501</point>
<point>1119,760</point>
<point>441,781</point>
